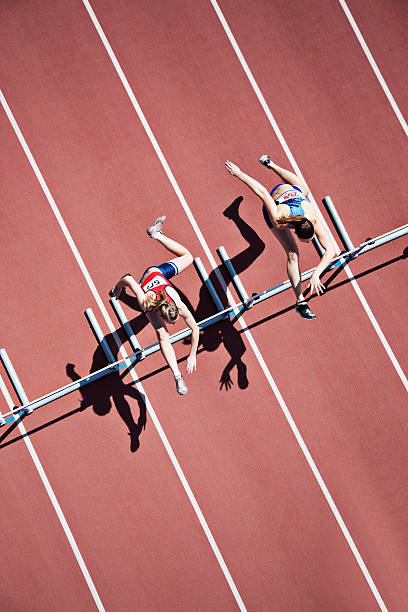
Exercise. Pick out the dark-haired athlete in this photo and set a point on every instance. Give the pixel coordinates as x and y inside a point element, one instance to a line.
<point>287,208</point>
<point>161,302</point>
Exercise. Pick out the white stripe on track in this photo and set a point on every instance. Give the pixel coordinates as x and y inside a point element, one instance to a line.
<point>248,334</point>
<point>292,160</point>
<point>139,386</point>
<point>374,66</point>
<point>54,502</point>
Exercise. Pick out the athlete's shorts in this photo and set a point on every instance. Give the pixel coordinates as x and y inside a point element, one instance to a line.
<point>168,269</point>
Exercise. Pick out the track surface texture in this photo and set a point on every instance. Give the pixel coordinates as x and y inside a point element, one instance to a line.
<point>278,483</point>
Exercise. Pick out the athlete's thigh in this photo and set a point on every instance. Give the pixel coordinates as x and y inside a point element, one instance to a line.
<point>182,262</point>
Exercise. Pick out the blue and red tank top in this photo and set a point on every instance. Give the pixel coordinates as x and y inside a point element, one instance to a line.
<point>155,281</point>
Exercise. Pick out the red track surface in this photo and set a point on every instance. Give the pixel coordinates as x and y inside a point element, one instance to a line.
<point>129,514</point>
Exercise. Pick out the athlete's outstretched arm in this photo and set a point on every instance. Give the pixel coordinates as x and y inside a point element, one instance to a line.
<point>330,251</point>
<point>288,177</point>
<point>129,281</point>
<point>195,336</point>
<point>257,188</point>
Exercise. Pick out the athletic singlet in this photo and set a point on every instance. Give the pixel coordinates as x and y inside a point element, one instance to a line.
<point>292,199</point>
<point>155,281</point>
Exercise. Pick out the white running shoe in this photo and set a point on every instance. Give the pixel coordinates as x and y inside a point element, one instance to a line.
<point>180,384</point>
<point>156,228</point>
<point>265,159</point>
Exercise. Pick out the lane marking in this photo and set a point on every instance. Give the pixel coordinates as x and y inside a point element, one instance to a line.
<point>374,66</point>
<point>54,502</point>
<point>292,160</point>
<point>251,340</point>
<point>122,350</point>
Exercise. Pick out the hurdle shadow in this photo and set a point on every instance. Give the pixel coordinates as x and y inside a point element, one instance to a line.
<point>99,395</point>
<point>112,390</point>
<point>221,333</point>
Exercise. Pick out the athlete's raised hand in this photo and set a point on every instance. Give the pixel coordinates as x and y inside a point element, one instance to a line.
<point>232,168</point>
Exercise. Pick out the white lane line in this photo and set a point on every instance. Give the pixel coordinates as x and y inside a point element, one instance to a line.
<point>374,66</point>
<point>292,160</point>
<point>54,502</point>
<point>111,327</point>
<point>248,334</point>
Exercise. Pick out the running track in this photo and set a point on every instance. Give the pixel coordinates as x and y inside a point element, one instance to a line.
<point>221,506</point>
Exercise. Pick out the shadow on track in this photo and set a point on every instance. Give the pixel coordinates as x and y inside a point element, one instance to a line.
<point>99,393</point>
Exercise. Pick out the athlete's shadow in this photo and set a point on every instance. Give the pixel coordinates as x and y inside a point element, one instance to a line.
<point>224,332</point>
<point>100,394</point>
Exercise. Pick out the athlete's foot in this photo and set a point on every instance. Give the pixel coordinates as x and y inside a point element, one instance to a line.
<point>156,228</point>
<point>115,292</point>
<point>265,160</point>
<point>180,384</point>
<point>303,309</point>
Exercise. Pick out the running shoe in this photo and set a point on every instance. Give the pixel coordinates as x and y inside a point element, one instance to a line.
<point>156,228</point>
<point>265,159</point>
<point>180,384</point>
<point>303,309</point>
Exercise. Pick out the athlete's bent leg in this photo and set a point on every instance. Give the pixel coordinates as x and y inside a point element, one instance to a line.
<point>287,176</point>
<point>184,257</point>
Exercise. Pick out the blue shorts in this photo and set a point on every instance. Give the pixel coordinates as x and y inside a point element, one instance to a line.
<point>168,269</point>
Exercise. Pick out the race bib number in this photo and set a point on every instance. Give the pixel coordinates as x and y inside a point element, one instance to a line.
<point>155,282</point>
<point>288,195</point>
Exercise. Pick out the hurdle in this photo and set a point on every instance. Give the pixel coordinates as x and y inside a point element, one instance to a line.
<point>221,313</point>
<point>202,272</point>
<point>342,259</point>
<point>94,325</point>
<point>338,224</point>
<point>118,310</point>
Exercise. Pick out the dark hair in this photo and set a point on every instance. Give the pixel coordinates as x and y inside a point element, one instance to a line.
<point>168,310</point>
<point>302,226</point>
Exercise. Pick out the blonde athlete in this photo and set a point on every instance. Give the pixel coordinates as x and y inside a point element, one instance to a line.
<point>287,208</point>
<point>161,302</point>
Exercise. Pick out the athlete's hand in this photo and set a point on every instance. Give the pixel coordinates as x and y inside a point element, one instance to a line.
<point>232,168</point>
<point>315,284</point>
<point>191,364</point>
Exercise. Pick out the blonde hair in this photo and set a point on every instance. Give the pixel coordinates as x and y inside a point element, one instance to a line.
<point>168,310</point>
<point>302,226</point>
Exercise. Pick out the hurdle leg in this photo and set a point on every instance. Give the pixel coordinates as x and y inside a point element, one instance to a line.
<point>99,335</point>
<point>236,281</point>
<point>15,381</point>
<point>338,224</point>
<point>320,250</point>
<point>205,279</point>
<point>118,310</point>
